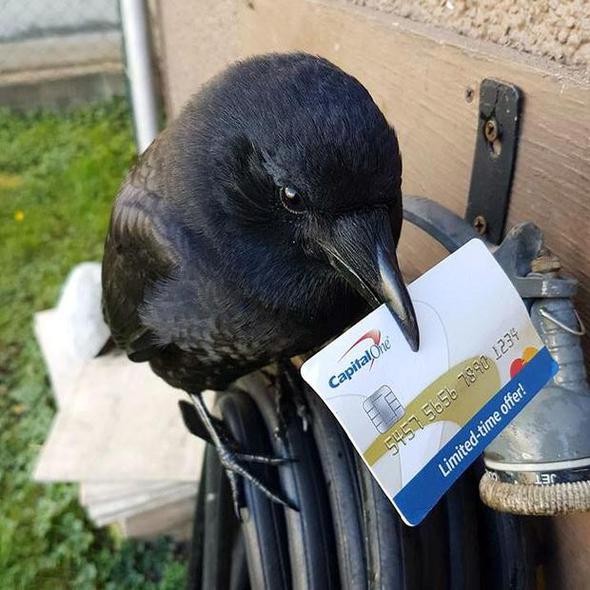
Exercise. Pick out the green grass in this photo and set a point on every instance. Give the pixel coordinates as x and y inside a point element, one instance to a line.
<point>58,176</point>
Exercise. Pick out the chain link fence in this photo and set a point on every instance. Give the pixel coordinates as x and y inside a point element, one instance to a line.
<point>60,52</point>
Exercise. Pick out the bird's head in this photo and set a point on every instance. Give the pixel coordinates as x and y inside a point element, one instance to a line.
<point>304,174</point>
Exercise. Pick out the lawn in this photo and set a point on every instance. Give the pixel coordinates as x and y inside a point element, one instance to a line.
<point>58,176</point>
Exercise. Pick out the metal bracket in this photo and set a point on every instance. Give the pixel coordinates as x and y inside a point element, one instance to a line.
<point>494,158</point>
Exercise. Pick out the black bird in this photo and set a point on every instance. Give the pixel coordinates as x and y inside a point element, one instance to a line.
<point>254,228</point>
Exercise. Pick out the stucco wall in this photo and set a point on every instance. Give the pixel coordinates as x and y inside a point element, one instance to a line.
<point>201,35</point>
<point>558,29</point>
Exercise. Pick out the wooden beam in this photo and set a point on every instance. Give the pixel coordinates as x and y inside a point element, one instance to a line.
<point>419,76</point>
<point>198,40</point>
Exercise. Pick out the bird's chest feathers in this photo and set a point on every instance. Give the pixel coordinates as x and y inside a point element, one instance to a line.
<point>234,316</point>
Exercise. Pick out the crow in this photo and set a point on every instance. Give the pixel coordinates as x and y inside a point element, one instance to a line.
<point>258,225</point>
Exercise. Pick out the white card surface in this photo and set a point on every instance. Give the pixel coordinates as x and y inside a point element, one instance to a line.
<point>419,419</point>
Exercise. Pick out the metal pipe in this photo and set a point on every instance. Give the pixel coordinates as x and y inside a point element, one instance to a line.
<point>136,35</point>
<point>540,464</point>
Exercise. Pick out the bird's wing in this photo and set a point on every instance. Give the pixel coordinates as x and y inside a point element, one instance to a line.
<point>141,249</point>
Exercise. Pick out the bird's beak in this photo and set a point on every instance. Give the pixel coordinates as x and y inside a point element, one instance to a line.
<point>362,248</point>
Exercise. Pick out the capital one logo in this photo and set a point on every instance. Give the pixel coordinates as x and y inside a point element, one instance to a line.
<point>364,352</point>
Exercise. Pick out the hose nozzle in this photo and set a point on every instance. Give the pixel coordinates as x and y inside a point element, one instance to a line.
<point>540,464</point>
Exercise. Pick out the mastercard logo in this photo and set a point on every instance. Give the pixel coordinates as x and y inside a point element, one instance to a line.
<point>517,364</point>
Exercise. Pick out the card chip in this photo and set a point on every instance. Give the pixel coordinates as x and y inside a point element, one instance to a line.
<point>383,408</point>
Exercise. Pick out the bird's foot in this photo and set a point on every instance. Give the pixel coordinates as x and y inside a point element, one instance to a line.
<point>201,423</point>
<point>231,462</point>
<point>264,459</point>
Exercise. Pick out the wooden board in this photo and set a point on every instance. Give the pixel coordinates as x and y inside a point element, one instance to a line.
<point>107,502</point>
<point>121,424</point>
<point>63,366</point>
<point>104,491</point>
<point>419,77</point>
<point>175,520</point>
<point>198,40</point>
<point>108,513</point>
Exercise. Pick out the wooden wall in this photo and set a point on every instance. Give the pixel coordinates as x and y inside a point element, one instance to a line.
<point>420,77</point>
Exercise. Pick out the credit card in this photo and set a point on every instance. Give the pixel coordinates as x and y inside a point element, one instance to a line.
<point>419,419</point>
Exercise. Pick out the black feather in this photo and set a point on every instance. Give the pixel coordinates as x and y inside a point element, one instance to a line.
<point>205,274</point>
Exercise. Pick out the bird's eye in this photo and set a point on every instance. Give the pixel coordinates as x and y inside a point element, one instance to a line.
<point>291,199</point>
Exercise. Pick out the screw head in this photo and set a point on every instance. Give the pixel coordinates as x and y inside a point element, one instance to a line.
<point>490,130</point>
<point>546,262</point>
<point>480,224</point>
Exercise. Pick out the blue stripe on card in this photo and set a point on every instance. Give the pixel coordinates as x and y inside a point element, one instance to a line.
<point>415,500</point>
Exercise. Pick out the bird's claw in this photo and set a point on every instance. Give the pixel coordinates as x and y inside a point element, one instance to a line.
<point>263,459</point>
<point>201,423</point>
<point>234,468</point>
<point>235,494</point>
